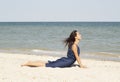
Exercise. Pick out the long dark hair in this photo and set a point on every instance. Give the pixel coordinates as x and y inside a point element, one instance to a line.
<point>71,39</point>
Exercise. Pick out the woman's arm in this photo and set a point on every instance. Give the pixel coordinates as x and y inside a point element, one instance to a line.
<point>74,48</point>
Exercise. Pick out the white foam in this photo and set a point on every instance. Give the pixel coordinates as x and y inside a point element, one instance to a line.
<point>48,52</point>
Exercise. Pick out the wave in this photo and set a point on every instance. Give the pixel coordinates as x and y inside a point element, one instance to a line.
<point>102,56</point>
<point>48,52</point>
<point>93,55</point>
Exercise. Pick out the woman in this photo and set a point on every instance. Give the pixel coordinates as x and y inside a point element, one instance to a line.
<point>72,54</point>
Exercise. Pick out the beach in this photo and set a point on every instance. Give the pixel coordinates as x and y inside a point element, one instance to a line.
<point>96,71</point>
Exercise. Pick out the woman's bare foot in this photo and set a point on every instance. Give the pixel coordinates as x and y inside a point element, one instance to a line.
<point>34,64</point>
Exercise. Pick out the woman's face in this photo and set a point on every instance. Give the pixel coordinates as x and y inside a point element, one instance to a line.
<point>78,36</point>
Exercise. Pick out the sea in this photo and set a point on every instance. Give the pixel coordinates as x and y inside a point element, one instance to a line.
<point>100,40</point>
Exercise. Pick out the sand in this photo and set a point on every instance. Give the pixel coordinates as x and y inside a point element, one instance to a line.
<point>97,71</point>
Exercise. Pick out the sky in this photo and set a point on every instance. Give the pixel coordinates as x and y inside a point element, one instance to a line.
<point>59,10</point>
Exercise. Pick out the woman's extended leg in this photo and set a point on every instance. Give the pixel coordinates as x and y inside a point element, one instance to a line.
<point>34,64</point>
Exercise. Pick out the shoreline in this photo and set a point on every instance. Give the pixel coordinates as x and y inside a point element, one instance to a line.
<point>97,71</point>
<point>91,55</point>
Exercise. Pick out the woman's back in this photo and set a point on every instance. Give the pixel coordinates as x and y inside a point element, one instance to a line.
<point>70,53</point>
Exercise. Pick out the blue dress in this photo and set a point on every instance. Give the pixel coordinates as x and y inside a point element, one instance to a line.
<point>64,61</point>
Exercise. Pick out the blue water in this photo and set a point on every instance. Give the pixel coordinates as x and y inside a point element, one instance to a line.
<point>99,38</point>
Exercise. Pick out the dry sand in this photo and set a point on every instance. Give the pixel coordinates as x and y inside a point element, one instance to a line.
<point>97,71</point>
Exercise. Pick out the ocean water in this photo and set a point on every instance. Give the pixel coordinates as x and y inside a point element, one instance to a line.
<point>101,40</point>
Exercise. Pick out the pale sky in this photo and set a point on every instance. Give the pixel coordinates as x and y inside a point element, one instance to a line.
<point>59,10</point>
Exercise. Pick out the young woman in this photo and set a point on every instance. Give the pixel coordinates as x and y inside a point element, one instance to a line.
<point>72,54</point>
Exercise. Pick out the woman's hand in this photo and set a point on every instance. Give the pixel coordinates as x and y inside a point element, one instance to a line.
<point>82,66</point>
